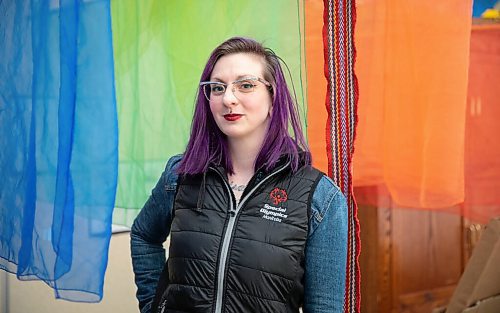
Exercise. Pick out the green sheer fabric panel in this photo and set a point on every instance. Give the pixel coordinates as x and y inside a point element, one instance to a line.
<point>160,49</point>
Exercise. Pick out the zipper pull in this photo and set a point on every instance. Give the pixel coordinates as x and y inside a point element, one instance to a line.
<point>162,306</point>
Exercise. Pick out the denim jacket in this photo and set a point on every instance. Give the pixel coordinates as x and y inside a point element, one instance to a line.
<point>326,247</point>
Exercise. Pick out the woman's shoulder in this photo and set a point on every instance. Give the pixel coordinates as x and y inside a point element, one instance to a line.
<point>327,200</point>
<point>173,162</point>
<point>327,185</point>
<point>170,173</point>
<point>326,192</point>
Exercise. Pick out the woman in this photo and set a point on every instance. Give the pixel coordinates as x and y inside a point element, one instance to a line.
<point>253,227</point>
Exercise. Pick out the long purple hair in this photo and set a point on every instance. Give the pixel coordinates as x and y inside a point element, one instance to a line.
<point>208,145</point>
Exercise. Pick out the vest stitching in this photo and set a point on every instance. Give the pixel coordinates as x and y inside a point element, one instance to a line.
<point>185,257</point>
<point>282,222</point>
<point>193,208</point>
<point>194,286</point>
<point>254,296</point>
<point>268,243</point>
<point>255,269</point>
<point>197,184</point>
<point>194,231</point>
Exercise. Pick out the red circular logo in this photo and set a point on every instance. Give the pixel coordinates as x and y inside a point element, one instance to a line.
<point>278,196</point>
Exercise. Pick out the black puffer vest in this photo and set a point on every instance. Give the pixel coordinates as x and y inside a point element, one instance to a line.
<point>245,258</point>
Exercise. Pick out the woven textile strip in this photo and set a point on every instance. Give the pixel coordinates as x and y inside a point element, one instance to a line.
<point>341,99</point>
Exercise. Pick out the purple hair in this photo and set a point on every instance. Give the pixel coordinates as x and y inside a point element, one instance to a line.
<point>208,145</point>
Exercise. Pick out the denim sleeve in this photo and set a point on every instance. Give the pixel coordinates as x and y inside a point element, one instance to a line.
<point>149,230</point>
<point>326,250</point>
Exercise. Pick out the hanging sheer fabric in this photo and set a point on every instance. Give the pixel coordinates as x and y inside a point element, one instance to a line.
<point>316,84</point>
<point>482,147</point>
<point>427,82</point>
<point>58,143</point>
<point>413,58</point>
<point>482,5</point>
<point>160,49</point>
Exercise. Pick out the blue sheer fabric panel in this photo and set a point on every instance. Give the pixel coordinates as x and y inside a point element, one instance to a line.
<point>479,6</point>
<point>58,143</point>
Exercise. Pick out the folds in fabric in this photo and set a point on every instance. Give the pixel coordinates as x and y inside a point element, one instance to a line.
<point>58,143</point>
<point>412,67</point>
<point>160,49</point>
<point>316,84</point>
<point>482,147</point>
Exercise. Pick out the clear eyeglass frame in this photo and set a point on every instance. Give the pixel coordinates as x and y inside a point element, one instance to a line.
<point>216,89</point>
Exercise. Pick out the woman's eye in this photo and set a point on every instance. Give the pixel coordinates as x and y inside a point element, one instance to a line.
<point>246,86</point>
<point>217,89</point>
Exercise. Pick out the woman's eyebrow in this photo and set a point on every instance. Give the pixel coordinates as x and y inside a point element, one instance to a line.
<point>239,77</point>
<point>215,79</point>
<point>245,76</point>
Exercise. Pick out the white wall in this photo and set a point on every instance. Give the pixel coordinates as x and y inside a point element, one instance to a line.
<point>35,296</point>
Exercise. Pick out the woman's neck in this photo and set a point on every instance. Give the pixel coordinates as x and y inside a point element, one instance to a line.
<point>243,155</point>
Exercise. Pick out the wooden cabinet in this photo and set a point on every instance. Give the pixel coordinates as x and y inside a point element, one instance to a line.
<point>411,260</point>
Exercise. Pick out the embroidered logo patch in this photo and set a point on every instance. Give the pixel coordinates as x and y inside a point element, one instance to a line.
<point>278,195</point>
<point>272,213</point>
<point>275,213</point>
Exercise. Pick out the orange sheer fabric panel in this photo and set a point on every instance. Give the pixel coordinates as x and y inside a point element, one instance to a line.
<point>316,84</point>
<point>412,60</point>
<point>482,143</point>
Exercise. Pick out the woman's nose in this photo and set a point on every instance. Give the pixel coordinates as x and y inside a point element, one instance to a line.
<point>229,97</point>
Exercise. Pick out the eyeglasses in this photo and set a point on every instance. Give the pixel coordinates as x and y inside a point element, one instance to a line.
<point>216,90</point>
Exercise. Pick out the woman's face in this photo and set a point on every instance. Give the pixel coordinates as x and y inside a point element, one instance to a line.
<point>243,111</point>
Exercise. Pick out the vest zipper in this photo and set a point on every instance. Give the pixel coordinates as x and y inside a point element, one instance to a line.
<point>161,308</point>
<point>228,234</point>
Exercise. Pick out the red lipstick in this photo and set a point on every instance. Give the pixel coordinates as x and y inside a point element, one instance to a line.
<point>232,117</point>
